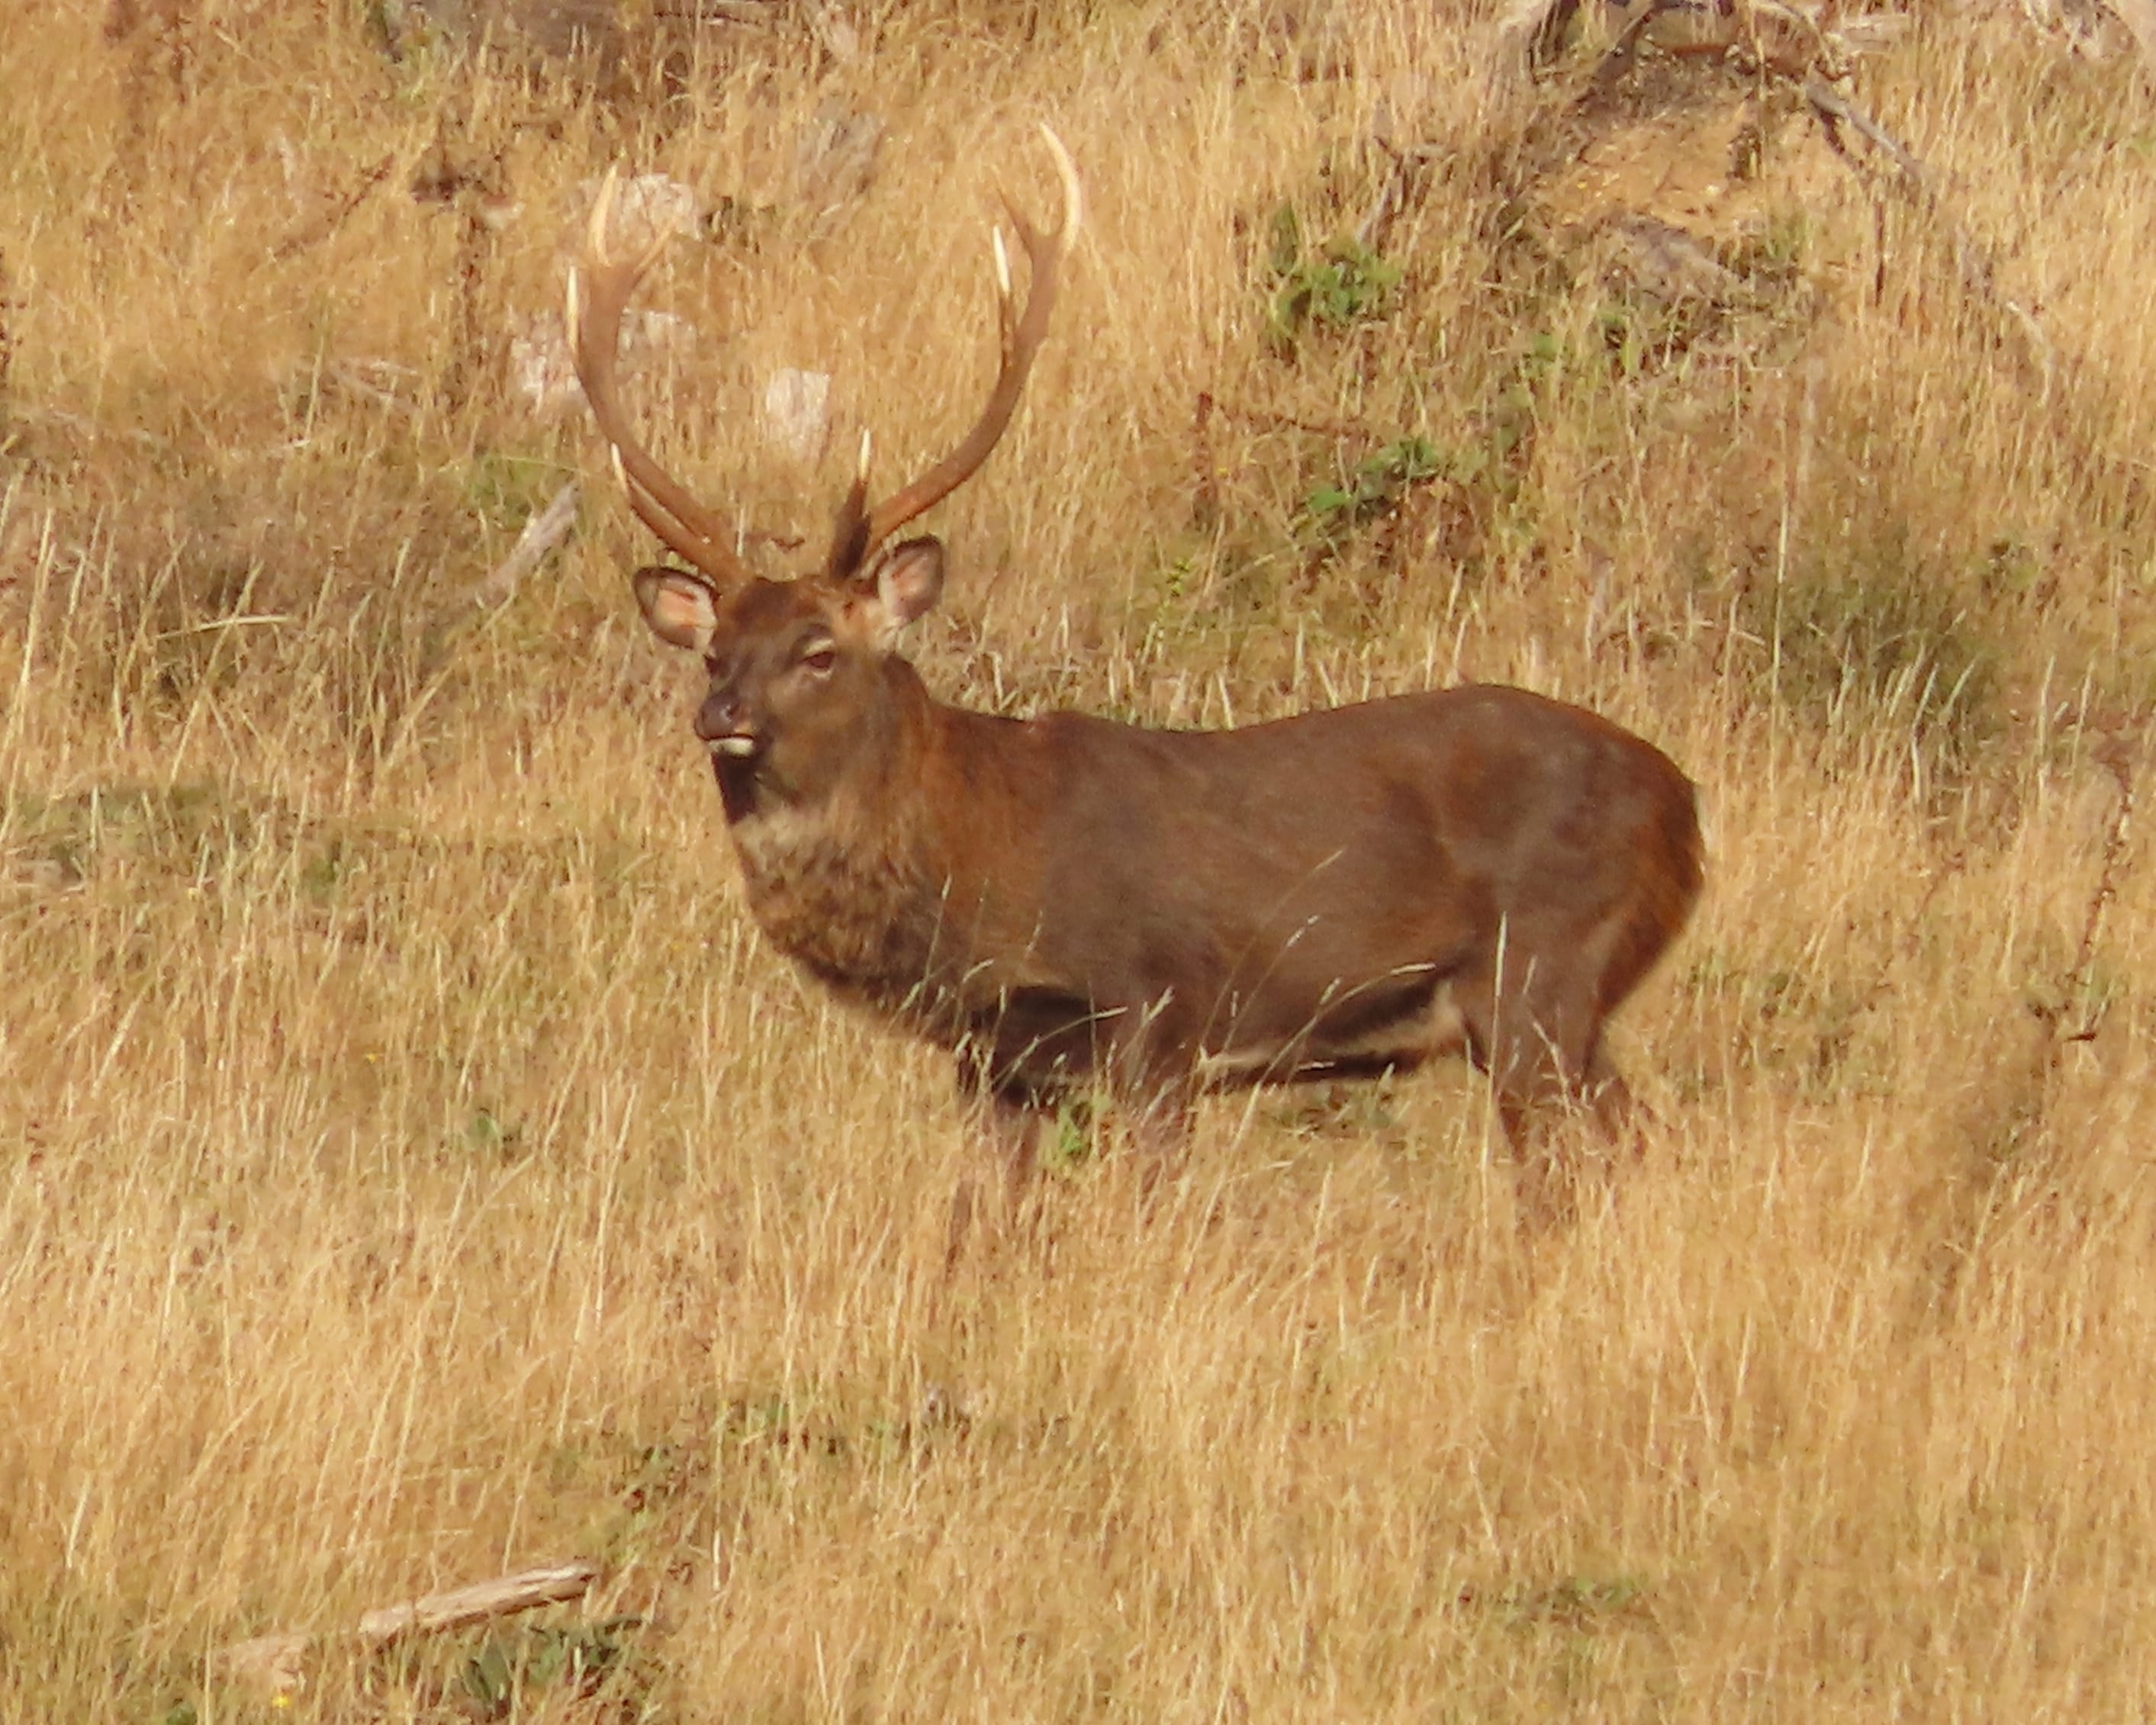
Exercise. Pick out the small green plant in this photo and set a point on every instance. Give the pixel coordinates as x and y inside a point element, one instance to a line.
<point>1774,252</point>
<point>506,490</point>
<point>1179,577</point>
<point>326,867</point>
<point>487,1133</point>
<point>1339,284</point>
<point>1578,1600</point>
<point>1071,1144</point>
<point>1374,487</point>
<point>522,1663</point>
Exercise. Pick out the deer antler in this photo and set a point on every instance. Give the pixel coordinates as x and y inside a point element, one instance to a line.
<point>860,529</point>
<point>689,530</point>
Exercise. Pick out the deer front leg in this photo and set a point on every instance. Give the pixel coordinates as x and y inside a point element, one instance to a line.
<point>1154,1074</point>
<point>1008,1128</point>
<point>1011,1134</point>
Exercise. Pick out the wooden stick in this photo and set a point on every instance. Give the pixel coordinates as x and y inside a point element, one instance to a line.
<point>275,1667</point>
<point>502,1597</point>
<point>541,534</point>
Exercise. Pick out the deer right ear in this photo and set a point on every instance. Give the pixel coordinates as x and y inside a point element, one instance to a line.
<point>683,609</point>
<point>909,582</point>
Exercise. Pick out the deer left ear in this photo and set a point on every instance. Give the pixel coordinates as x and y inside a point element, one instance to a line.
<point>683,609</point>
<point>908,582</point>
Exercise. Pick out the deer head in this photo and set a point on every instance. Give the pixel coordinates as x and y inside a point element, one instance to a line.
<point>797,666</point>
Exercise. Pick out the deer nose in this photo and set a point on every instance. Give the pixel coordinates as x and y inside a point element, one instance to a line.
<point>723,724</point>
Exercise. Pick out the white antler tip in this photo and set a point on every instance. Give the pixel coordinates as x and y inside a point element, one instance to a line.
<point>868,438</point>
<point>602,210</point>
<point>1003,263</point>
<point>1074,196</point>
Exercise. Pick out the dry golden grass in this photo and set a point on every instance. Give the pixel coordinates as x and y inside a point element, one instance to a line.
<point>411,1165</point>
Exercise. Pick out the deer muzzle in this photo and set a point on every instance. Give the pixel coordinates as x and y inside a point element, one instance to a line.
<point>725,728</point>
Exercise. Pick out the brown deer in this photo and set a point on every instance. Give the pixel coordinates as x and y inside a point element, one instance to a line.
<point>1065,901</point>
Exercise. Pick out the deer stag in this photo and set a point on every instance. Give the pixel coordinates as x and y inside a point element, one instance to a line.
<point>1064,900</point>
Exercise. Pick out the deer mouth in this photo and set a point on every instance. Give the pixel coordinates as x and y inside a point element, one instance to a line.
<point>738,744</point>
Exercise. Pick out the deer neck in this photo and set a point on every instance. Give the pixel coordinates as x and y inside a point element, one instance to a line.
<point>838,875</point>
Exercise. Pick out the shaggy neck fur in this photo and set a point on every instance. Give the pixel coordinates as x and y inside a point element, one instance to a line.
<point>840,880</point>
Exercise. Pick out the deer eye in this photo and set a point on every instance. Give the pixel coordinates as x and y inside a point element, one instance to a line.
<point>820,657</point>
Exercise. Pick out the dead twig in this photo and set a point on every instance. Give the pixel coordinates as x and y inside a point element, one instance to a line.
<point>326,227</point>
<point>8,308</point>
<point>480,1602</point>
<point>542,533</point>
<point>1205,499</point>
<point>1404,171</point>
<point>2112,754</point>
<point>1977,273</point>
<point>835,36</point>
<point>1205,502</point>
<point>2004,1131</point>
<point>275,1667</point>
<point>1261,419</point>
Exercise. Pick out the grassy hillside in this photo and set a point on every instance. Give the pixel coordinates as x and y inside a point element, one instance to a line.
<point>412,1165</point>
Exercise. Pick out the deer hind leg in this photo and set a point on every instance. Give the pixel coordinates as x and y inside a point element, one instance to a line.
<point>1538,1035</point>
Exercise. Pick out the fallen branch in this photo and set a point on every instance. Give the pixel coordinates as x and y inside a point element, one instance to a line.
<point>275,1667</point>
<point>484,1600</point>
<point>541,534</point>
<point>1763,37</point>
<point>1975,265</point>
<point>1768,40</point>
<point>1837,108</point>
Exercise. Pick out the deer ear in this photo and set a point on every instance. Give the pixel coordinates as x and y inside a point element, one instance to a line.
<point>909,581</point>
<point>683,609</point>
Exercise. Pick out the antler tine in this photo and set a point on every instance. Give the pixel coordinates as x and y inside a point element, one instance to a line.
<point>689,529</point>
<point>849,541</point>
<point>691,548</point>
<point>1022,334</point>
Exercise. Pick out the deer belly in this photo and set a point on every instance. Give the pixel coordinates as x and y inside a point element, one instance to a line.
<point>1400,1023</point>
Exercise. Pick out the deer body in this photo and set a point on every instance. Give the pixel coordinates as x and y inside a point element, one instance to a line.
<point>1065,901</point>
<point>1065,897</point>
